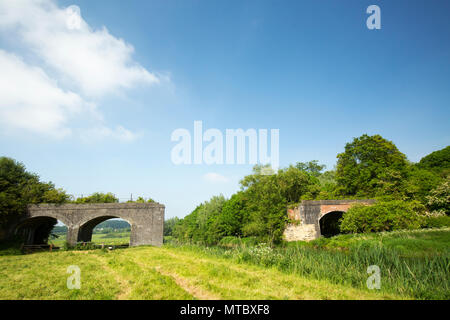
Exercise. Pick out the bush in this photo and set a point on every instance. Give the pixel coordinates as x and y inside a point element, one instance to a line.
<point>436,222</point>
<point>439,199</point>
<point>383,216</point>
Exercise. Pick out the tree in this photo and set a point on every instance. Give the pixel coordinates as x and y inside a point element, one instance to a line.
<point>371,166</point>
<point>328,185</point>
<point>268,197</point>
<point>201,225</point>
<point>437,161</point>
<point>234,215</point>
<point>169,225</point>
<point>312,167</point>
<point>419,183</point>
<point>18,188</point>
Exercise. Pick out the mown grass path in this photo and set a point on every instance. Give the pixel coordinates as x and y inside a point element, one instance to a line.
<point>158,273</point>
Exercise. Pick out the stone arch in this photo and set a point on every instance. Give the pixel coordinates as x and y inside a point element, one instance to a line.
<point>87,227</point>
<point>329,223</point>
<point>54,215</point>
<point>35,229</point>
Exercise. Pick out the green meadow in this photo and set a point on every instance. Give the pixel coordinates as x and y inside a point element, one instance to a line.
<point>413,265</point>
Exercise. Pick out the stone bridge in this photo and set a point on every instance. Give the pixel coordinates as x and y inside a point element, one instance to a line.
<point>146,220</point>
<point>312,219</point>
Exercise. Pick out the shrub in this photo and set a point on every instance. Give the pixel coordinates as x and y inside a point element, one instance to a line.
<point>383,216</point>
<point>439,199</point>
<point>436,221</point>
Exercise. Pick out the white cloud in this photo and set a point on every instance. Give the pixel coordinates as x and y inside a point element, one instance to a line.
<point>68,65</point>
<point>102,132</point>
<point>96,62</point>
<point>215,177</point>
<point>30,100</point>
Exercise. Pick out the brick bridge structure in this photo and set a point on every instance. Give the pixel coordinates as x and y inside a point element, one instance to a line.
<point>146,221</point>
<point>312,219</point>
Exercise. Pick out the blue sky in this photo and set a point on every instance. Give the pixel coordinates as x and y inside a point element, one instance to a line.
<point>85,110</point>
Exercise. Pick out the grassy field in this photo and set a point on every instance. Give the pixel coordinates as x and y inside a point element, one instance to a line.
<point>413,265</point>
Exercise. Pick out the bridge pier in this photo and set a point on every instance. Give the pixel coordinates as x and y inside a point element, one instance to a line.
<point>72,235</point>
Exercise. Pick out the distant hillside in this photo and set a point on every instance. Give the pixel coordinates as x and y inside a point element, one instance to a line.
<point>109,224</point>
<point>113,224</point>
<point>59,229</point>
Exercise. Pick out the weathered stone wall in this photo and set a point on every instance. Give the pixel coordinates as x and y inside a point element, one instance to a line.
<point>300,232</point>
<point>146,219</point>
<point>308,214</point>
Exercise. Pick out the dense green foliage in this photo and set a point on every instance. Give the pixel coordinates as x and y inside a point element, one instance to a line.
<point>418,184</point>
<point>383,216</point>
<point>258,210</point>
<point>437,161</point>
<point>98,197</point>
<point>370,167</point>
<point>169,224</point>
<point>201,226</point>
<point>439,199</point>
<point>18,188</point>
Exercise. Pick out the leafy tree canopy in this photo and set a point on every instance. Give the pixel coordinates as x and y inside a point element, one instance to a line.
<point>312,167</point>
<point>169,224</point>
<point>371,166</point>
<point>437,161</point>
<point>18,188</point>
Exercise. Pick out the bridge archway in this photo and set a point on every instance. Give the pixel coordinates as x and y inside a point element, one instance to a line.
<point>330,223</point>
<point>35,230</point>
<point>317,218</point>
<point>86,230</point>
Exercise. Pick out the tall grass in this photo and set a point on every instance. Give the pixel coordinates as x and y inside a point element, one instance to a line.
<point>420,277</point>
